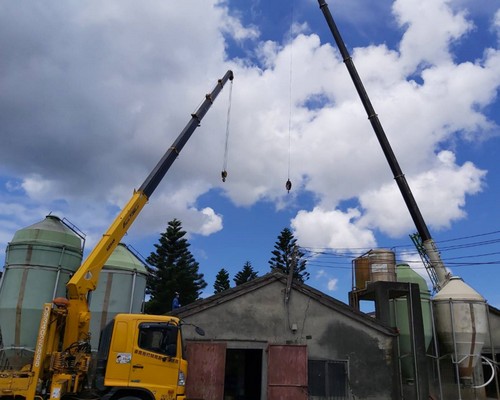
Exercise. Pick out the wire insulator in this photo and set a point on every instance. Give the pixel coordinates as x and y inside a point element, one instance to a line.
<point>223,175</point>
<point>288,185</point>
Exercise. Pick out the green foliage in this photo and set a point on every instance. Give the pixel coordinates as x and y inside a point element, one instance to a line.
<point>245,275</point>
<point>286,252</point>
<point>221,281</point>
<point>172,269</point>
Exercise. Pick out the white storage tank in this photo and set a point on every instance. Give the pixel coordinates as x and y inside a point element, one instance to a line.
<point>38,264</point>
<point>121,289</point>
<point>461,324</point>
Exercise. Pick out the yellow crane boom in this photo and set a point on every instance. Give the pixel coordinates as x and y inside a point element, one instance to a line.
<point>87,276</point>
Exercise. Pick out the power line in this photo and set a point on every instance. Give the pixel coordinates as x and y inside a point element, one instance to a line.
<point>341,258</point>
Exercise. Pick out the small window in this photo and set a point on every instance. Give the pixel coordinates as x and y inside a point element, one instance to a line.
<point>158,338</point>
<point>328,379</point>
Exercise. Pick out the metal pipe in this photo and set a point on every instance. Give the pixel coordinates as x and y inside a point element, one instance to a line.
<point>454,358</point>
<point>58,275</point>
<point>413,343</point>
<point>56,283</point>
<point>398,347</point>
<point>436,350</point>
<point>132,295</point>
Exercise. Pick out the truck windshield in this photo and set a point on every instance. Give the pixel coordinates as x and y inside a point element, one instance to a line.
<point>159,338</point>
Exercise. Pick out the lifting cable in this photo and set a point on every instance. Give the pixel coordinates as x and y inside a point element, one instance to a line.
<point>224,165</point>
<point>288,184</point>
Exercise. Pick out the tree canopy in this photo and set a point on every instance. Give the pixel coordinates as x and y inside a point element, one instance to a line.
<point>221,281</point>
<point>172,268</point>
<point>287,253</point>
<point>245,275</point>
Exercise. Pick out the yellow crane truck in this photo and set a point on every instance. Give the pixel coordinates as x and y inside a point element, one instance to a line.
<point>140,356</point>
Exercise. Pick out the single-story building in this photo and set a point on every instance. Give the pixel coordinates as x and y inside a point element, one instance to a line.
<point>272,338</point>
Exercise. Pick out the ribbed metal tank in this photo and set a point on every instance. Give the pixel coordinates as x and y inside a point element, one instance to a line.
<point>399,316</point>
<point>461,324</point>
<point>39,261</point>
<point>121,289</point>
<point>376,265</point>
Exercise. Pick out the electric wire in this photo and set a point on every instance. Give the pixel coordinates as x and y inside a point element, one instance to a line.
<point>341,258</point>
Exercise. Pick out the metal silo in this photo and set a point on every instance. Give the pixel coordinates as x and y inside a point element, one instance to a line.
<point>121,289</point>
<point>38,263</point>
<point>401,319</point>
<point>461,324</point>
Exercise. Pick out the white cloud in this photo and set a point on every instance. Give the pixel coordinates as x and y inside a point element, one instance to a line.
<point>37,187</point>
<point>320,274</point>
<point>331,229</point>
<point>235,28</point>
<point>210,224</point>
<point>440,193</point>
<point>332,284</point>
<point>93,95</point>
<point>421,44</point>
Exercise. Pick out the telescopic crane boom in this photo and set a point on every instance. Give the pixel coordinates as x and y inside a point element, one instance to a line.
<point>460,312</point>
<point>436,269</point>
<point>87,276</point>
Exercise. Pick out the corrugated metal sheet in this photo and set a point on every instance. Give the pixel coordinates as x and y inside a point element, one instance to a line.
<point>205,370</point>
<point>287,372</point>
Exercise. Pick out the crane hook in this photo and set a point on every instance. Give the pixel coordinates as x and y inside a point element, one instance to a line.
<point>288,185</point>
<point>223,175</point>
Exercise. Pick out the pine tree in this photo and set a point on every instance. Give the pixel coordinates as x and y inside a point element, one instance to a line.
<point>221,281</point>
<point>172,269</point>
<point>245,275</point>
<point>286,251</point>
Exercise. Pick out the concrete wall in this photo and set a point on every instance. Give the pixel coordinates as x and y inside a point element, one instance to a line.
<point>262,316</point>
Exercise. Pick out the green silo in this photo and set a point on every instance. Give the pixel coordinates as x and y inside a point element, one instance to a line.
<point>121,289</point>
<point>39,261</point>
<point>399,314</point>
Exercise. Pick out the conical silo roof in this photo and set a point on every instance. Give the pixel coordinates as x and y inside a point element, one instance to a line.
<point>457,289</point>
<point>122,258</point>
<point>50,231</point>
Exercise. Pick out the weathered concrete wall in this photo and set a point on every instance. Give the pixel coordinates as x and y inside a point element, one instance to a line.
<point>262,315</point>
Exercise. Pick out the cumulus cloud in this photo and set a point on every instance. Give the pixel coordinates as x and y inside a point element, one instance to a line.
<point>416,16</point>
<point>332,229</point>
<point>440,193</point>
<point>38,188</point>
<point>93,95</point>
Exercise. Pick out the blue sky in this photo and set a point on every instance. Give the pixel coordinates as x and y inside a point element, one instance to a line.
<point>93,93</point>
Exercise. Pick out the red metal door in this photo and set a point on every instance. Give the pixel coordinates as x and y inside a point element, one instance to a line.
<point>287,372</point>
<point>206,369</point>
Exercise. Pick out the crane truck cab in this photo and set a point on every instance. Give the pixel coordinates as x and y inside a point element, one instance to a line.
<point>141,356</point>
